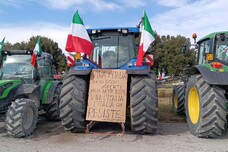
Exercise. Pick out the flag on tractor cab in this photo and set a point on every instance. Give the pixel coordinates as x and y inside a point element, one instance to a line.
<point>70,60</point>
<point>78,39</point>
<point>1,46</point>
<point>147,37</point>
<point>36,51</point>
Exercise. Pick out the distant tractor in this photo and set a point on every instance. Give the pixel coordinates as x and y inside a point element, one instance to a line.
<point>25,90</point>
<point>114,48</point>
<point>206,87</point>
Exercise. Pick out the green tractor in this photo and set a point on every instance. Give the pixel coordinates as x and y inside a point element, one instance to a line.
<point>205,91</point>
<point>26,90</point>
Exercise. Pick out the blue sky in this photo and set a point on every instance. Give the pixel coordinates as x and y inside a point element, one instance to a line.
<point>21,19</point>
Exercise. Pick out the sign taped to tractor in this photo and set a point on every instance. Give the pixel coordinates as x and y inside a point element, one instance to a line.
<point>107,96</point>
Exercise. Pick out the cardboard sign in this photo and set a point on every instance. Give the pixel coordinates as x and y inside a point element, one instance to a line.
<point>107,96</point>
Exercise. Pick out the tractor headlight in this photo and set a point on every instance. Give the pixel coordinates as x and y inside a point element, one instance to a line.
<point>131,64</point>
<point>86,65</point>
<point>124,31</point>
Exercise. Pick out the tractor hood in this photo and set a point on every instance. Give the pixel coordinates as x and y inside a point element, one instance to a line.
<point>6,86</point>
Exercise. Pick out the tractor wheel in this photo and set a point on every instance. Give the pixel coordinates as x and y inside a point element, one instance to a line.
<point>205,108</point>
<point>73,103</point>
<point>52,109</point>
<point>144,104</point>
<point>21,118</point>
<point>178,99</point>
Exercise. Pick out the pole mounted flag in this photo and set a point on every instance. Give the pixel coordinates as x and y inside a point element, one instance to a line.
<point>36,51</point>
<point>1,46</point>
<point>147,37</point>
<point>78,39</point>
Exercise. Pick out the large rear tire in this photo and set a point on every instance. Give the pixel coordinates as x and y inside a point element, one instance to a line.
<point>73,103</point>
<point>178,99</point>
<point>143,104</point>
<point>205,108</point>
<point>21,118</point>
<point>52,109</point>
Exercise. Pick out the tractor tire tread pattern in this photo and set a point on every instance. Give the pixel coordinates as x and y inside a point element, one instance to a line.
<point>143,104</point>
<point>180,93</point>
<point>14,118</point>
<point>73,103</point>
<point>213,111</point>
<point>52,109</point>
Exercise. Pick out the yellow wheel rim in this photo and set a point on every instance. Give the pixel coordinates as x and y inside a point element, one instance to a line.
<point>175,100</point>
<point>193,105</point>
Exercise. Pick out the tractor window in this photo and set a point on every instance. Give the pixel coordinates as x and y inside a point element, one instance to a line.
<point>45,70</point>
<point>17,66</point>
<point>112,50</point>
<point>222,50</point>
<point>204,47</point>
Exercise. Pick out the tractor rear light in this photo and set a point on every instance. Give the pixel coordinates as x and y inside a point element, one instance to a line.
<point>77,56</point>
<point>216,65</point>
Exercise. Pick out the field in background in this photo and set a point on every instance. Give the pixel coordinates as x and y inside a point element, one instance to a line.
<point>165,113</point>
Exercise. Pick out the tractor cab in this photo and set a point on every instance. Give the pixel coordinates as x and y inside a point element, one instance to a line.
<point>113,47</point>
<point>213,47</point>
<point>16,65</point>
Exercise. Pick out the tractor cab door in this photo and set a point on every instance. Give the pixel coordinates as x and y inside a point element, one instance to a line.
<point>45,70</point>
<point>205,46</point>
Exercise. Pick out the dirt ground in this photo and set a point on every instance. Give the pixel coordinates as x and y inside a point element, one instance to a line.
<point>172,135</point>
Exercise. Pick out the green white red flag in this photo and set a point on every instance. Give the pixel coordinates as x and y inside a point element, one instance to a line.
<point>147,37</point>
<point>78,39</point>
<point>36,51</point>
<point>1,46</point>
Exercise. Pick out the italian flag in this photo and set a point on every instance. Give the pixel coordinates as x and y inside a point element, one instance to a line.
<point>147,37</point>
<point>78,39</point>
<point>36,51</point>
<point>1,45</point>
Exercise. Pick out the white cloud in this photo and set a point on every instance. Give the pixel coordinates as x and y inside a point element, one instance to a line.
<point>133,3</point>
<point>98,5</point>
<point>202,17</point>
<point>21,33</point>
<point>173,3</point>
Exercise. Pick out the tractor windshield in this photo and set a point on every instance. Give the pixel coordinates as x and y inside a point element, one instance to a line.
<point>112,50</point>
<point>222,49</point>
<point>17,66</point>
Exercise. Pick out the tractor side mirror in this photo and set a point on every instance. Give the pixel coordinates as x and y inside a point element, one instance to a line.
<point>47,61</point>
<point>184,49</point>
<point>35,75</point>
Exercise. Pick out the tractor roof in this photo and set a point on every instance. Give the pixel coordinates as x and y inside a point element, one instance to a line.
<point>209,36</point>
<point>130,29</point>
<point>16,52</point>
<point>24,52</point>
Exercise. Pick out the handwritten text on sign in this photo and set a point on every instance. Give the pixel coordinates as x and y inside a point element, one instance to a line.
<point>107,96</point>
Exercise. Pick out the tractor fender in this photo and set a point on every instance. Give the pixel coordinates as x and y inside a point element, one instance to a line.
<point>30,91</point>
<point>139,71</point>
<point>214,78</point>
<point>49,92</point>
<point>82,71</point>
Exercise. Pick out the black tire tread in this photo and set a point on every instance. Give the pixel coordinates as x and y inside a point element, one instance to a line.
<point>52,109</point>
<point>14,116</point>
<point>213,109</point>
<point>179,90</point>
<point>144,104</point>
<point>73,102</point>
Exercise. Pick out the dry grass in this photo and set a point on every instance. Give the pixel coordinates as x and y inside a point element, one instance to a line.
<point>165,113</point>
